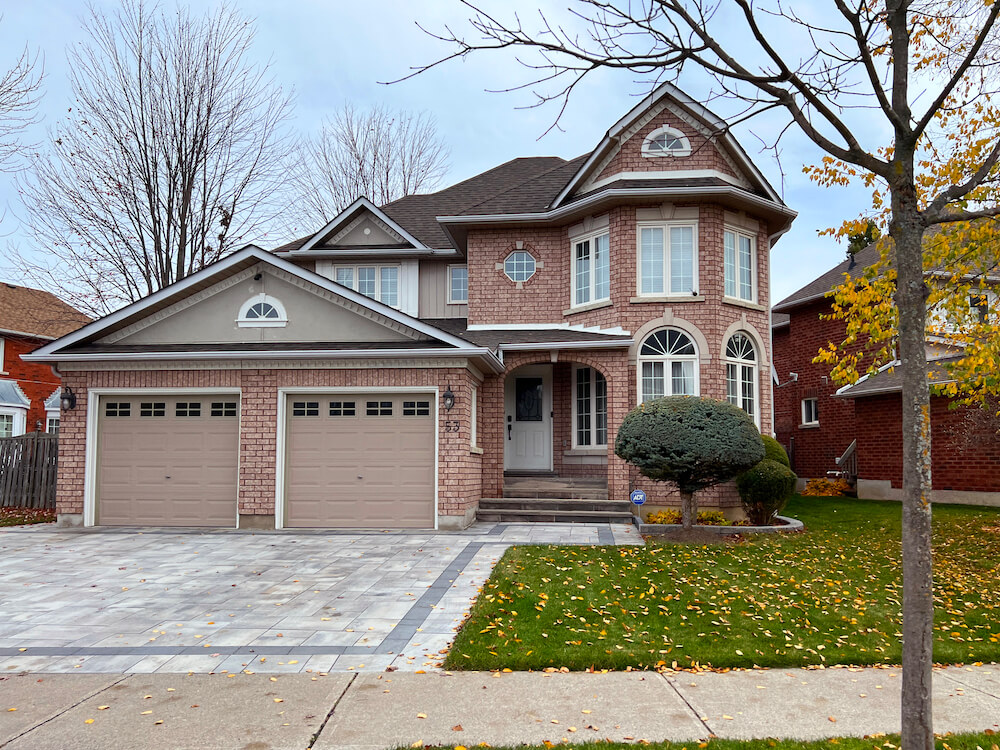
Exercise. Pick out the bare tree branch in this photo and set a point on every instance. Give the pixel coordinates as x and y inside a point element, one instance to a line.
<point>173,155</point>
<point>19,96</point>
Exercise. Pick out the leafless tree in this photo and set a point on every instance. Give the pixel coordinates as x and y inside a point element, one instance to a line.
<point>376,153</point>
<point>173,155</point>
<point>843,75</point>
<point>19,95</point>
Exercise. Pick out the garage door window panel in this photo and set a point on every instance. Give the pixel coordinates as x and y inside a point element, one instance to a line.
<point>152,409</point>
<point>416,408</point>
<point>188,409</point>
<point>224,409</point>
<point>378,408</point>
<point>305,408</point>
<point>118,409</point>
<point>343,408</point>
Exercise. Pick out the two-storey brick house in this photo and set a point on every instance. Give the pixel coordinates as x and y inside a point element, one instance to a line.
<point>393,367</point>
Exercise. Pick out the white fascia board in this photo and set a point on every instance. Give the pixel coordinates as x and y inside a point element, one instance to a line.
<point>664,89</point>
<point>346,214</point>
<point>45,353</point>
<point>380,252</point>
<point>9,332</point>
<point>660,192</point>
<point>478,351</point>
<point>558,345</point>
<point>616,331</point>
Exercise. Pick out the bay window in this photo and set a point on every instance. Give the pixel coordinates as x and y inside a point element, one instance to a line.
<point>591,269</point>
<point>668,363</point>
<point>738,265</point>
<point>668,259</point>
<point>590,408</point>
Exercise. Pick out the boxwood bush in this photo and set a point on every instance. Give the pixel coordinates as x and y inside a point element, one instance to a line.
<point>764,490</point>
<point>775,451</point>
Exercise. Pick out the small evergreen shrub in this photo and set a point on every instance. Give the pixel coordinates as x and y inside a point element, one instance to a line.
<point>764,490</point>
<point>775,450</point>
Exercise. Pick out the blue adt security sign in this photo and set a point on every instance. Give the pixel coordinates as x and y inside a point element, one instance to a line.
<point>638,497</point>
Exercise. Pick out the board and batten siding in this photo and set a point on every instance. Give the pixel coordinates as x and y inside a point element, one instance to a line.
<point>434,292</point>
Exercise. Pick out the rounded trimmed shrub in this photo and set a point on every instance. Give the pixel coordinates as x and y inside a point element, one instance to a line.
<point>775,451</point>
<point>693,442</point>
<point>764,490</point>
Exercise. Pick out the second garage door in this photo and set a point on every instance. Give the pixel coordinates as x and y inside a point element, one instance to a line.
<point>167,460</point>
<point>360,461</point>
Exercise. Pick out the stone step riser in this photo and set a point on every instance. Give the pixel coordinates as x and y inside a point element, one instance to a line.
<point>556,493</point>
<point>494,516</point>
<point>564,504</point>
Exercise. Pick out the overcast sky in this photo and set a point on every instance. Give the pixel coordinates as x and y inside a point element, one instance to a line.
<point>334,51</point>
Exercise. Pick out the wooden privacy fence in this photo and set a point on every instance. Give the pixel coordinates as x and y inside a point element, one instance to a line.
<point>28,471</point>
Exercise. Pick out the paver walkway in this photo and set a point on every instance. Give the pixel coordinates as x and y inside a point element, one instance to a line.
<point>140,601</point>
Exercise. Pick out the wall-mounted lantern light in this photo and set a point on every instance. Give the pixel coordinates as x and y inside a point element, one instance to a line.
<point>68,399</point>
<point>449,399</point>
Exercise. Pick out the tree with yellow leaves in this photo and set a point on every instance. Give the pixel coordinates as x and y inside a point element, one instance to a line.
<point>896,93</point>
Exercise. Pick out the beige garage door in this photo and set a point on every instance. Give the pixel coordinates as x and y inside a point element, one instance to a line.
<point>359,461</point>
<point>167,460</point>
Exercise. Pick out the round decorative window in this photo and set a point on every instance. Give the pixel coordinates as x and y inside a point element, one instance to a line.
<point>263,310</point>
<point>519,266</point>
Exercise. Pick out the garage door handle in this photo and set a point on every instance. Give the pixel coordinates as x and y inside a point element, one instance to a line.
<point>508,432</point>
<point>167,477</point>
<point>360,477</point>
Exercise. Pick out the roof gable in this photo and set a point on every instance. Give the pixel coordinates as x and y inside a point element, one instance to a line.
<point>667,105</point>
<point>33,312</point>
<point>117,326</point>
<point>349,228</point>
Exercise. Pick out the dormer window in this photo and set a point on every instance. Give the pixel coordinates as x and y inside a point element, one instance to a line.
<point>666,142</point>
<point>262,311</point>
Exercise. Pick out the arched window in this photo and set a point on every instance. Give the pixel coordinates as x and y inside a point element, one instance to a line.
<point>741,374</point>
<point>666,141</point>
<point>668,365</point>
<point>262,311</point>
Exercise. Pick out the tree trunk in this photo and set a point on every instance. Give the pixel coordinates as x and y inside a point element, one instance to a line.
<point>918,603</point>
<point>689,509</point>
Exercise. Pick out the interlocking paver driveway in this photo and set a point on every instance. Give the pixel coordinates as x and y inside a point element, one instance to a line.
<point>190,601</point>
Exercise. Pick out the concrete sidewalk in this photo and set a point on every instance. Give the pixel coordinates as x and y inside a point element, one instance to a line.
<point>385,710</point>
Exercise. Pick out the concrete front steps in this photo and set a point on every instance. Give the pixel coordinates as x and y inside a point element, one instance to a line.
<point>553,510</point>
<point>554,499</point>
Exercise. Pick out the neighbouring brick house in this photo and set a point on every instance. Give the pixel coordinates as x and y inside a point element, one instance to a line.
<point>400,364</point>
<point>820,422</point>
<point>29,318</point>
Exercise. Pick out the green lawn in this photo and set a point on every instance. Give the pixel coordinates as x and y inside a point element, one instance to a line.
<point>875,742</point>
<point>21,516</point>
<point>829,596</point>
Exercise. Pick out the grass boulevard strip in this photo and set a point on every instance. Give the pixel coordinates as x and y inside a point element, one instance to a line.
<point>830,596</point>
<point>976,741</point>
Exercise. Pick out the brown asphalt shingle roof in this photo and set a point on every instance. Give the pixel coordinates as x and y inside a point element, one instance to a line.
<point>827,281</point>
<point>780,319</point>
<point>493,338</point>
<point>417,213</point>
<point>33,311</point>
<point>891,381</point>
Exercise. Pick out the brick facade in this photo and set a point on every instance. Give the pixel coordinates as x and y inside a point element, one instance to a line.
<point>813,449</point>
<point>460,469</point>
<point>36,380</point>
<point>965,451</point>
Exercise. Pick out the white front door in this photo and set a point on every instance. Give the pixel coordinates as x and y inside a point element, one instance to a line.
<point>528,419</point>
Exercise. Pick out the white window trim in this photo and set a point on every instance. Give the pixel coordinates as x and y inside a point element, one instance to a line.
<point>452,301</point>
<point>3,351</point>
<point>49,417</point>
<point>378,279</point>
<point>593,411</point>
<point>803,412</point>
<point>756,375</point>
<point>696,358</point>
<point>667,291</point>
<point>19,421</point>
<point>753,264</point>
<point>573,242</point>
<point>280,322</point>
<point>674,132</point>
<point>474,419</point>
